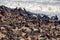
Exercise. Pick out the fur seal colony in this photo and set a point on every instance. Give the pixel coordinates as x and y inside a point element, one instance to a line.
<point>18,24</point>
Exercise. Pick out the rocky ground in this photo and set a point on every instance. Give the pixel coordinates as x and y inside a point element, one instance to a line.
<point>18,24</point>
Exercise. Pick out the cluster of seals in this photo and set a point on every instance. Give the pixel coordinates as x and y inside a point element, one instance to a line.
<point>19,24</point>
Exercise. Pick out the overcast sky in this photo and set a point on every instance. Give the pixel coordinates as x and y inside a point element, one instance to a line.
<point>34,5</point>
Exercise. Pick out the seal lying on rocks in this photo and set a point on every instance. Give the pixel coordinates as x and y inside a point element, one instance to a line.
<point>18,24</point>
